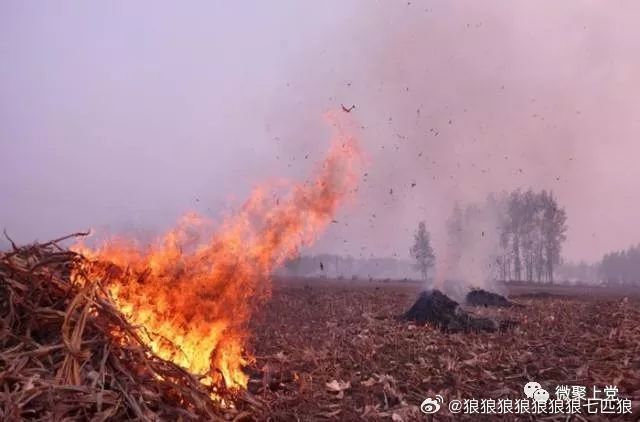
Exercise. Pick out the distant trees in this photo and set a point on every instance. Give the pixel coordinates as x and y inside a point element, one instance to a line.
<point>615,268</point>
<point>622,267</point>
<point>456,226</point>
<point>530,226</point>
<point>532,232</point>
<point>579,272</point>
<point>422,251</point>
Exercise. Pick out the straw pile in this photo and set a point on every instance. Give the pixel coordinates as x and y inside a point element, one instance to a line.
<point>66,353</point>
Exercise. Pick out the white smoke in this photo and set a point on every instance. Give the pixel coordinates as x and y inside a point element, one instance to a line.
<point>469,257</point>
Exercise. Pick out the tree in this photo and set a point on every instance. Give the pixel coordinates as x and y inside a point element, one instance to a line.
<point>554,228</point>
<point>455,233</point>
<point>422,251</point>
<point>515,230</point>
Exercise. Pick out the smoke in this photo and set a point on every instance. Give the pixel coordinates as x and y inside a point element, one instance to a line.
<point>459,101</point>
<point>139,123</point>
<point>472,249</point>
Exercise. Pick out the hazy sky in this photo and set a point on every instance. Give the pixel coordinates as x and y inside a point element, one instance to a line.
<point>124,115</point>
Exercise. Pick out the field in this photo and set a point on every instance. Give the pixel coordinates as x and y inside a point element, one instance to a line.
<point>336,350</point>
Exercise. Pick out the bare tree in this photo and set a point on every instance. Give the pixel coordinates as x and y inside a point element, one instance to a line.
<point>422,251</point>
<point>515,230</point>
<point>531,228</point>
<point>554,230</point>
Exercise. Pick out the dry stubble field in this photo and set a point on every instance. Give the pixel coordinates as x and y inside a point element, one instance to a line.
<point>346,333</point>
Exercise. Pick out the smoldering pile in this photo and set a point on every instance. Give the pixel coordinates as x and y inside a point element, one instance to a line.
<point>68,354</point>
<point>480,297</point>
<point>437,308</point>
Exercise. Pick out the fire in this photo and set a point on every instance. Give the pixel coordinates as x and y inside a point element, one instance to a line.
<point>192,294</point>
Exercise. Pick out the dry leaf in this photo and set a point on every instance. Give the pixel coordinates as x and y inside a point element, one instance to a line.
<point>338,386</point>
<point>370,382</point>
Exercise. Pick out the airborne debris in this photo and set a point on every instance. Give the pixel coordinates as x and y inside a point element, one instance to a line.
<point>347,110</point>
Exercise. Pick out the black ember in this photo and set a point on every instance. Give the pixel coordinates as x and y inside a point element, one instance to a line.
<point>437,308</point>
<point>479,297</point>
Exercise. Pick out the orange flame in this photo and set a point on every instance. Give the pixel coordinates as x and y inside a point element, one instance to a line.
<point>191,298</point>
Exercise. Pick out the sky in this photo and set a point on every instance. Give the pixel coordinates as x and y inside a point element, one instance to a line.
<point>123,116</point>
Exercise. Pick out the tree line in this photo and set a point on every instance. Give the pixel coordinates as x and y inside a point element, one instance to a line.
<point>514,236</point>
<point>621,267</point>
<point>532,231</point>
<point>618,268</point>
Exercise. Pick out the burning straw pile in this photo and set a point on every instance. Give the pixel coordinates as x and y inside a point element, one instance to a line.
<point>67,353</point>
